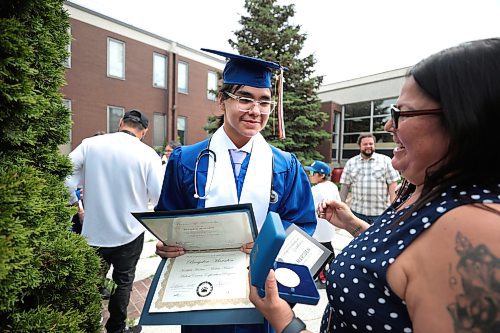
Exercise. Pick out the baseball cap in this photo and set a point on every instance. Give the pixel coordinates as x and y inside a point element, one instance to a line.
<point>136,116</point>
<point>246,70</point>
<point>320,167</point>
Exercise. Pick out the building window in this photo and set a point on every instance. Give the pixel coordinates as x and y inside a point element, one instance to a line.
<point>368,117</point>
<point>212,85</point>
<point>159,129</point>
<point>67,61</point>
<point>159,70</point>
<point>116,58</point>
<point>181,130</point>
<point>381,114</point>
<point>336,136</point>
<point>182,77</point>
<point>67,103</point>
<point>115,113</point>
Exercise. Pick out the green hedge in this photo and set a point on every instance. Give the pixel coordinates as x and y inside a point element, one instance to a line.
<point>48,276</point>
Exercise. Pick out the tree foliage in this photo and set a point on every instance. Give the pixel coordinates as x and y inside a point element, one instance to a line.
<point>267,34</point>
<point>48,276</point>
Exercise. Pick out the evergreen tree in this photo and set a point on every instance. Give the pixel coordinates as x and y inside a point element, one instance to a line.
<point>48,276</point>
<point>267,34</point>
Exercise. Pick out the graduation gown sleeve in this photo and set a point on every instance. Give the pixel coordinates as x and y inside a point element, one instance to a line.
<point>295,202</point>
<point>178,183</point>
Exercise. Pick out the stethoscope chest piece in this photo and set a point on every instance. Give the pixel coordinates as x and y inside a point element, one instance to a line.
<point>273,198</point>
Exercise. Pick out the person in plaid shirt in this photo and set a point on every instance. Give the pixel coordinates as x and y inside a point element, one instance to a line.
<point>372,179</point>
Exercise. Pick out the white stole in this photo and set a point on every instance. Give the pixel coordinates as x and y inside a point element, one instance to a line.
<point>257,184</point>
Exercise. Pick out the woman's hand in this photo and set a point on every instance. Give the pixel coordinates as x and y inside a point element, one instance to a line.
<point>247,248</point>
<point>340,215</point>
<point>166,251</point>
<point>276,310</point>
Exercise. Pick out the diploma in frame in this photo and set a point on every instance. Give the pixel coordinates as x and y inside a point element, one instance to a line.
<point>208,285</point>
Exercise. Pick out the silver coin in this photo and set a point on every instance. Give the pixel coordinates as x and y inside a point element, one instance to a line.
<point>287,277</point>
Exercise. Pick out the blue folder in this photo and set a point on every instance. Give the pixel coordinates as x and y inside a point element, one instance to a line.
<point>198,317</point>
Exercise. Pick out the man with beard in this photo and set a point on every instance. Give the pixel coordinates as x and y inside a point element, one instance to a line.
<point>371,178</point>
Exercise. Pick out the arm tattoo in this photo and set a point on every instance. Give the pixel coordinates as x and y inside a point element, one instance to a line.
<point>478,308</point>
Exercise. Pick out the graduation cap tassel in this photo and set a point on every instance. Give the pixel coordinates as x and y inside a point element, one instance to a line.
<point>281,119</point>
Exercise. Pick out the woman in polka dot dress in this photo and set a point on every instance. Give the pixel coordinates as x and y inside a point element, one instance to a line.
<point>431,262</point>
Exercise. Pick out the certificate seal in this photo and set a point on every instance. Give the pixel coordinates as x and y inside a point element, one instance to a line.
<point>204,289</point>
<point>287,277</point>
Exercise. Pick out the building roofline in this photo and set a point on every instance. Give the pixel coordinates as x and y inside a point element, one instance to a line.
<point>372,78</point>
<point>174,44</point>
<point>109,18</point>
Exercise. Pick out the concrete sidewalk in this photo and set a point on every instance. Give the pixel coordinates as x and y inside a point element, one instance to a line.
<point>149,262</point>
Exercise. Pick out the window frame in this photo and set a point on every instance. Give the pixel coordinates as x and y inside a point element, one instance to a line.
<point>372,117</point>
<point>67,61</point>
<point>163,130</point>
<point>165,76</point>
<point>182,140</point>
<point>183,90</point>
<point>108,58</point>
<point>108,122</point>
<point>212,96</point>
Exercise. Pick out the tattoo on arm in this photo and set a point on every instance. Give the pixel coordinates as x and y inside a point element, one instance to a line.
<point>477,309</point>
<point>453,279</point>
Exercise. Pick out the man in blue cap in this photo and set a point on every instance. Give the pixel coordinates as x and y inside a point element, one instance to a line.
<point>236,165</point>
<point>323,189</point>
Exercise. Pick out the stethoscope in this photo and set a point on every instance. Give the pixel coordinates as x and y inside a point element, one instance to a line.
<point>273,196</point>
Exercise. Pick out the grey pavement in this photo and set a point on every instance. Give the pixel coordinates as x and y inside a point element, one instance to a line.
<point>310,314</point>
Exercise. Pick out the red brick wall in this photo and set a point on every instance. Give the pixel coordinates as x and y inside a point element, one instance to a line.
<point>325,148</point>
<point>91,91</point>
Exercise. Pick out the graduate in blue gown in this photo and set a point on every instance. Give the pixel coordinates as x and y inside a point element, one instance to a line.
<point>236,165</point>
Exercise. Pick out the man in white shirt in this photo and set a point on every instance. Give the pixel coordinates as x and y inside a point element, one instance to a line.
<point>323,189</point>
<point>119,175</point>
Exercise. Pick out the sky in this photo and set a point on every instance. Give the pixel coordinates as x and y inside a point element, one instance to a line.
<point>348,38</point>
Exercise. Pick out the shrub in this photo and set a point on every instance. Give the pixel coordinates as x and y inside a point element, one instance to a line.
<point>48,276</point>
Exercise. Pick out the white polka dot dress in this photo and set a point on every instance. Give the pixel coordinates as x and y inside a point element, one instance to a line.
<point>359,296</point>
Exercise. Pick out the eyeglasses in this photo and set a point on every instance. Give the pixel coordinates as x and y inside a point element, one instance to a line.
<point>245,104</point>
<point>396,113</point>
<point>311,173</point>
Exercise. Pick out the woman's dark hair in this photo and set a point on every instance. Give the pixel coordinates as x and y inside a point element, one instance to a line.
<point>465,80</point>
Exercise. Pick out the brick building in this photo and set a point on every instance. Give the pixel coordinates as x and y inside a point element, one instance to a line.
<point>115,67</point>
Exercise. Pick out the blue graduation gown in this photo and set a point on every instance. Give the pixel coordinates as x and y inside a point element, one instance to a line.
<point>295,203</point>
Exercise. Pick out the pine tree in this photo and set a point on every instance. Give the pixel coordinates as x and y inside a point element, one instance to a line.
<point>267,34</point>
<point>48,276</point>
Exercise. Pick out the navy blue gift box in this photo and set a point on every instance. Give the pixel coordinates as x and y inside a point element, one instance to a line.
<point>263,258</point>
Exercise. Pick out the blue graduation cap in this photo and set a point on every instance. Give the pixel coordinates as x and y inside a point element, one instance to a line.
<point>254,72</point>
<point>248,71</point>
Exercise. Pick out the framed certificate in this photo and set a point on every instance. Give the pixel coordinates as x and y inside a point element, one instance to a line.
<point>208,285</point>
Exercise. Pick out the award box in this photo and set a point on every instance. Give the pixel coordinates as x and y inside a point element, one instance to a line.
<point>263,258</point>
